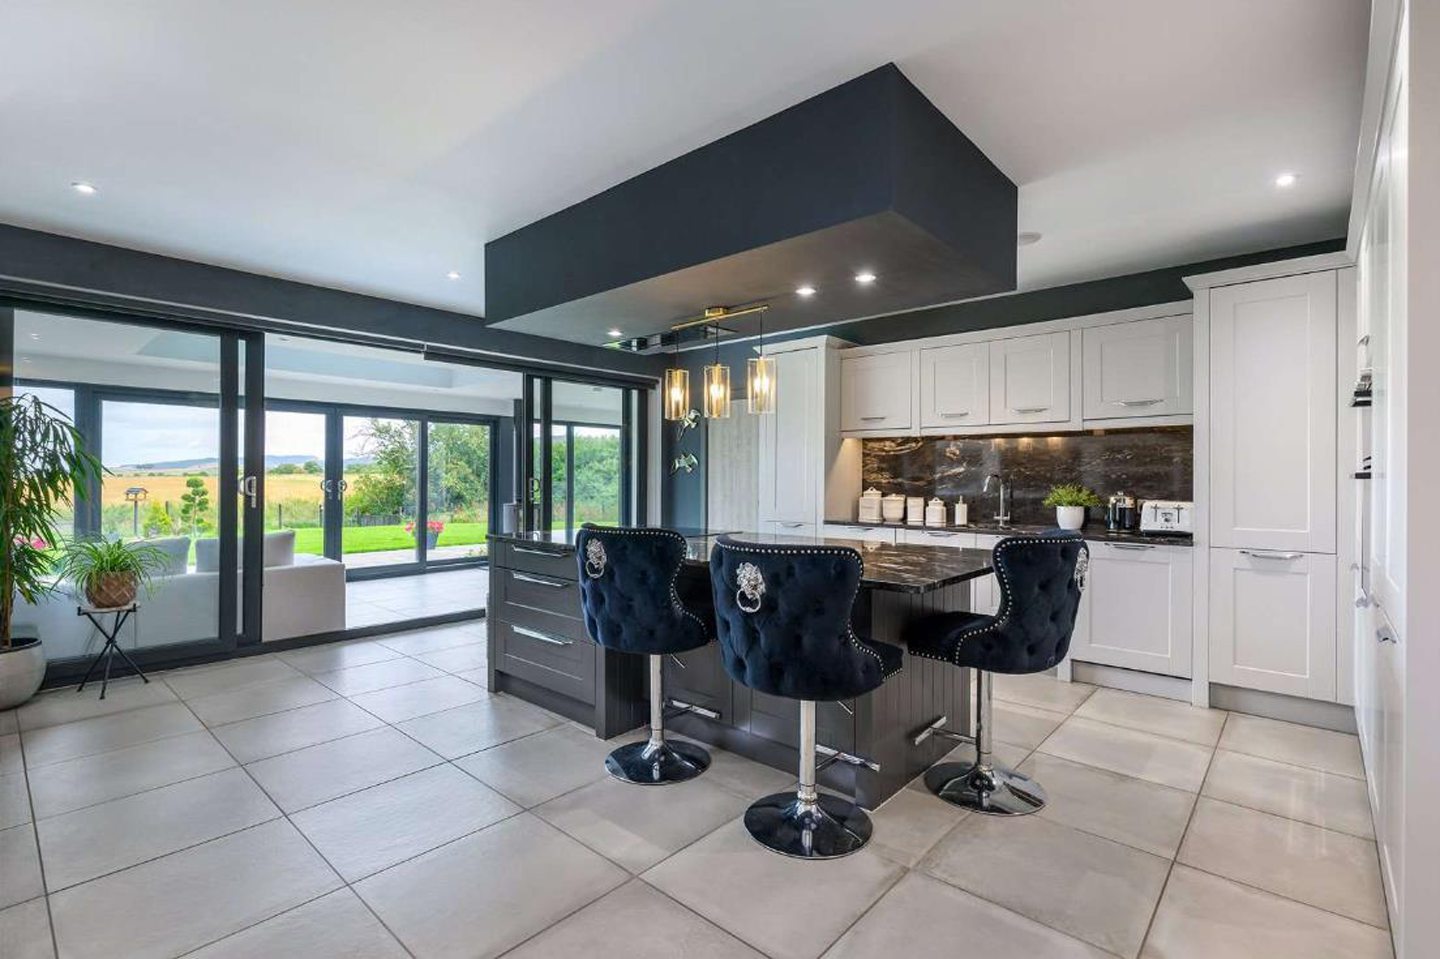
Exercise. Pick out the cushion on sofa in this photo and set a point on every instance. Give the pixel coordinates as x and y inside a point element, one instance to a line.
<point>177,554</point>
<point>279,550</point>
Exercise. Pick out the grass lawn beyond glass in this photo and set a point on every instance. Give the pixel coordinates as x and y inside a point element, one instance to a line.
<point>374,539</point>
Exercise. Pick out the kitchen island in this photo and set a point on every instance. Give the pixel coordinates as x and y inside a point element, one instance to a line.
<point>539,652</point>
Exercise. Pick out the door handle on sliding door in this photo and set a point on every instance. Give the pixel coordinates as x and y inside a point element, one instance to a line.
<point>250,489</point>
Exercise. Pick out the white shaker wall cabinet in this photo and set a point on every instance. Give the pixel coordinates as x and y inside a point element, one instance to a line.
<point>1272,621</point>
<point>1030,379</point>
<point>1139,369</point>
<point>1273,414</point>
<point>877,393</point>
<point>1137,608</point>
<point>955,386</point>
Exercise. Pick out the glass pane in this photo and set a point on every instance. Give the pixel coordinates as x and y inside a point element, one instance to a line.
<point>295,477</point>
<point>559,477</point>
<point>62,400</point>
<point>597,475</point>
<point>381,491</point>
<point>163,461</point>
<point>459,490</point>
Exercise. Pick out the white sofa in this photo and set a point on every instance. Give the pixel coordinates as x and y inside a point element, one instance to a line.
<point>303,595</point>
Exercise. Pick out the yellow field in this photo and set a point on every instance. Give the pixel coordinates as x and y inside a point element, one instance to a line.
<point>172,487</point>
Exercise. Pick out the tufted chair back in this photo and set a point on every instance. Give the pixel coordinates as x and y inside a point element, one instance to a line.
<point>782,615</point>
<point>1041,578</point>
<point>627,590</point>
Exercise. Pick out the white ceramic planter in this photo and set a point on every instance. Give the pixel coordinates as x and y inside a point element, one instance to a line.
<point>22,667</point>
<point>1070,517</point>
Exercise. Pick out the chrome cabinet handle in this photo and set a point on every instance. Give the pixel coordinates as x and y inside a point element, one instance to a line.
<point>1029,409</point>
<point>1261,554</point>
<point>1133,546</point>
<point>543,637</point>
<point>957,414</point>
<point>1139,402</point>
<point>871,419</point>
<point>528,551</point>
<point>789,525</point>
<point>540,580</point>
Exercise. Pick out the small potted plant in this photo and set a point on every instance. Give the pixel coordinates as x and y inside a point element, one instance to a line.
<point>1070,501</point>
<point>42,460</point>
<point>433,529</point>
<point>110,572</point>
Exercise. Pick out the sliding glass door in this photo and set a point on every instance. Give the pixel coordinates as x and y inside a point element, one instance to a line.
<point>380,520</point>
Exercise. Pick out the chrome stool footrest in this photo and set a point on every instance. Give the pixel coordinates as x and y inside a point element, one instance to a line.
<point>994,790</point>
<point>828,828</point>
<point>661,763</point>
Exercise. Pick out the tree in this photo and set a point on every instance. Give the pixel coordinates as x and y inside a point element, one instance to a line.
<point>313,467</point>
<point>285,469</point>
<point>157,521</point>
<point>195,505</point>
<point>386,485</point>
<point>459,467</point>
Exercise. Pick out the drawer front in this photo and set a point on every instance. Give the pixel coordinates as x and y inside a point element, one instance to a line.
<point>870,534</point>
<point>539,591</point>
<point>545,560</point>
<point>547,658</point>
<point>938,537</point>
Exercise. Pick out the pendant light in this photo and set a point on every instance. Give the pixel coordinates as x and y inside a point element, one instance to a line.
<point>676,402</point>
<point>760,379</point>
<point>717,385</point>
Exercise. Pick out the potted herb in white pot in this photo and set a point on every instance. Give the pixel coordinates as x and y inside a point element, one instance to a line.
<point>42,461</point>
<point>1070,501</point>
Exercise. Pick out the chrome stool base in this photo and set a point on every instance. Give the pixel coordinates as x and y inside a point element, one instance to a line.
<point>995,791</point>
<point>829,828</point>
<point>657,764</point>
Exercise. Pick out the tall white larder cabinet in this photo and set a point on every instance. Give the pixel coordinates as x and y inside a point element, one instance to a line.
<point>1272,484</point>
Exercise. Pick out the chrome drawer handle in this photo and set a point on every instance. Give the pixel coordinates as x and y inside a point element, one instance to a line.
<point>1139,402</point>
<point>1029,409</point>
<point>553,554</point>
<point>1260,554</point>
<point>872,419</point>
<point>789,525</point>
<point>961,413</point>
<point>1130,545</point>
<point>543,637</point>
<point>540,580</point>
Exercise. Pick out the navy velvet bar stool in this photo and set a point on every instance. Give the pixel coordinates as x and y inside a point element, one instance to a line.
<point>627,593</point>
<point>782,615</point>
<point>1041,578</point>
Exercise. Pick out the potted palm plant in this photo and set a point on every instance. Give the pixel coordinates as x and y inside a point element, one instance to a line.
<point>110,572</point>
<point>1070,501</point>
<point>42,461</point>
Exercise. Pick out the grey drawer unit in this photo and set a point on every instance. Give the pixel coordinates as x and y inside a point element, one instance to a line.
<point>549,658</point>
<point>553,595</point>
<point>536,558</point>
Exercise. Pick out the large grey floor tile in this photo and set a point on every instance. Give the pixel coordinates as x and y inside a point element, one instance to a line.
<point>479,725</point>
<point>86,737</point>
<point>457,659</point>
<point>373,829</point>
<point>1024,726</point>
<point>12,762</point>
<point>606,929</point>
<point>1142,814</point>
<point>483,894</point>
<point>1315,866</point>
<point>87,843</point>
<point>14,800</point>
<point>538,768</point>
<point>265,736</point>
<point>8,722</point>
<point>923,918</point>
<point>333,656</point>
<point>19,866</point>
<point>25,931</point>
<point>68,705</point>
<point>1152,714</point>
<point>201,681</point>
<point>1321,749</point>
<point>76,783</point>
<point>363,679</point>
<point>1309,795</point>
<point>1041,690</point>
<point>169,906</point>
<point>1204,917</point>
<point>399,703</point>
<point>637,826</point>
<point>260,699</point>
<point>437,638</point>
<point>742,776</point>
<point>1085,886</point>
<point>910,823</point>
<point>319,773</point>
<point>1130,752</point>
<point>784,907</point>
<point>336,926</point>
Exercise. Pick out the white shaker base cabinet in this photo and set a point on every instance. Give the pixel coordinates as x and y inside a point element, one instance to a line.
<point>1137,608</point>
<point>1272,621</point>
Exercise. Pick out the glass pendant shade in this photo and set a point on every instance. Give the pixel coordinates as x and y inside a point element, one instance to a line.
<point>717,391</point>
<point>677,394</point>
<point>760,384</point>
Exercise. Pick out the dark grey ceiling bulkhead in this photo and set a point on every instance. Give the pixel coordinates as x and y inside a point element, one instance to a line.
<point>866,194</point>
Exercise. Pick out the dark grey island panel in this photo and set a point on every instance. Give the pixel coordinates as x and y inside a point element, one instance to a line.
<point>539,652</point>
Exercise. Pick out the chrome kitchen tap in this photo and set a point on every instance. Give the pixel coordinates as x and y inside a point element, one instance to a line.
<point>1002,518</point>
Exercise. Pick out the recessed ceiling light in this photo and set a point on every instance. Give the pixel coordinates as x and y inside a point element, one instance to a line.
<point>866,277</point>
<point>805,290</point>
<point>614,332</point>
<point>1286,180</point>
<point>1028,238</point>
<point>452,275</point>
<point>80,186</point>
<point>34,336</point>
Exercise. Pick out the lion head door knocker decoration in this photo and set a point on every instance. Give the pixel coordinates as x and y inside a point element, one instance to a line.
<point>1082,567</point>
<point>751,587</point>
<point>595,559</point>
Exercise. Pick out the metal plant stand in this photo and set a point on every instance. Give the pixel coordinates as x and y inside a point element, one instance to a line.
<point>119,615</point>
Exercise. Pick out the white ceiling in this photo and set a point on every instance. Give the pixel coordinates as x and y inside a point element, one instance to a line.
<point>373,146</point>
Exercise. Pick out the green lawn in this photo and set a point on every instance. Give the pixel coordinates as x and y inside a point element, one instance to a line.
<point>371,539</point>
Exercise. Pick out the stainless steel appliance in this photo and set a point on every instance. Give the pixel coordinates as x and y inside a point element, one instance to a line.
<point>1120,512</point>
<point>1167,516</point>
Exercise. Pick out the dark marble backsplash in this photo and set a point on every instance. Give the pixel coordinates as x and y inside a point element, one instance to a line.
<point>1155,463</point>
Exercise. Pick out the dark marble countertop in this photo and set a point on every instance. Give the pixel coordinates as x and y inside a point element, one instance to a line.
<point>1097,534</point>
<point>901,567</point>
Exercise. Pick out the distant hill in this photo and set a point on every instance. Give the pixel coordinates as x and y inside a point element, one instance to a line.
<point>209,464</point>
